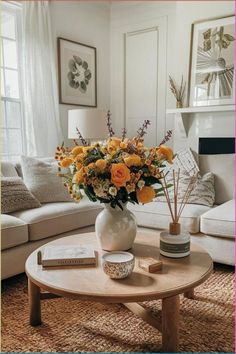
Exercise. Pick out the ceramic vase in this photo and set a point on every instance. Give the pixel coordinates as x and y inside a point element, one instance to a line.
<point>174,243</point>
<point>115,228</point>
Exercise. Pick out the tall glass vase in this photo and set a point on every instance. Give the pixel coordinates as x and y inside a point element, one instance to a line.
<point>115,228</point>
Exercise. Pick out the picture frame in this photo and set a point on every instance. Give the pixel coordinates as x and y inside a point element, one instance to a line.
<point>211,68</point>
<point>77,73</point>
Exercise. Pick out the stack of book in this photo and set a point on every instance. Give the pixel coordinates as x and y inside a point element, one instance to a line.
<point>64,255</point>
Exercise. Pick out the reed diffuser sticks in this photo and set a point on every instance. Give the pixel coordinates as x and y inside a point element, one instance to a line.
<point>177,206</point>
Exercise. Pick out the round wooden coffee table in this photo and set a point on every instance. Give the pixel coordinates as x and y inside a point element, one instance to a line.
<point>92,284</point>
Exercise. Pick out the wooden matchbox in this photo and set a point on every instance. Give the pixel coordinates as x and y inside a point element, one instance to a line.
<point>150,265</point>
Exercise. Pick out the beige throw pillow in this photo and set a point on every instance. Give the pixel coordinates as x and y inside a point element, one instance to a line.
<point>203,192</point>
<point>15,195</point>
<point>41,179</point>
<point>185,161</point>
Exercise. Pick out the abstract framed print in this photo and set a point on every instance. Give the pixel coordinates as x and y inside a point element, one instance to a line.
<point>77,73</point>
<point>211,72</point>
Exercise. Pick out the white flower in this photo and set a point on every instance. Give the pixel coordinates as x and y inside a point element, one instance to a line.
<point>100,192</point>
<point>130,188</point>
<point>106,184</point>
<point>141,184</point>
<point>113,191</point>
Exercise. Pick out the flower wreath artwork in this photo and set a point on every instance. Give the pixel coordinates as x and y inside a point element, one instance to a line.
<point>115,172</point>
<point>79,74</point>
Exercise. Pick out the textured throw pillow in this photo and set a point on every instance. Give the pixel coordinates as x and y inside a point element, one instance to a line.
<point>41,179</point>
<point>203,192</point>
<point>16,196</point>
<point>184,162</point>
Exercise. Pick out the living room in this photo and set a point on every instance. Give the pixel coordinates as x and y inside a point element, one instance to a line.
<point>117,141</point>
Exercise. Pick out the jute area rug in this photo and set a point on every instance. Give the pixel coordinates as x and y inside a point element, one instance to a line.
<point>207,323</point>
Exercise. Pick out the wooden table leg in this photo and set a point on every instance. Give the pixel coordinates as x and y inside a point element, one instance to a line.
<point>34,303</point>
<point>145,314</point>
<point>170,324</point>
<point>189,294</point>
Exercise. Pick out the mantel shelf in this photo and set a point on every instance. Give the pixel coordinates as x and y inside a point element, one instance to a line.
<point>225,108</point>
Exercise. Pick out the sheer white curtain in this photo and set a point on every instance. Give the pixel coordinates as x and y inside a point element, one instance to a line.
<point>40,95</point>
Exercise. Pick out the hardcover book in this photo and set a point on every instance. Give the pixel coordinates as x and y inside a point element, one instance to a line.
<point>68,255</point>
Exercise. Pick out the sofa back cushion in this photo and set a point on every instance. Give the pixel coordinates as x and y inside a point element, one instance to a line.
<point>222,165</point>
<point>44,159</point>
<point>8,169</point>
<point>41,178</point>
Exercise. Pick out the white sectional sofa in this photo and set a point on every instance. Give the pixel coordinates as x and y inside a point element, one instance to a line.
<point>213,228</point>
<point>24,231</point>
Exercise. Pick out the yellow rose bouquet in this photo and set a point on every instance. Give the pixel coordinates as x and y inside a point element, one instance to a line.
<point>115,171</point>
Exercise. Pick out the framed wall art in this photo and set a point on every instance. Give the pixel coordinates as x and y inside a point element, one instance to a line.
<point>211,72</point>
<point>77,73</point>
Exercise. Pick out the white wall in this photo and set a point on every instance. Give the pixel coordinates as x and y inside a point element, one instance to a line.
<point>102,24</point>
<point>89,23</point>
<point>179,16</point>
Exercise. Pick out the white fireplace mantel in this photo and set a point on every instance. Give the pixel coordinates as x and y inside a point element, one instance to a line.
<point>183,119</point>
<point>225,108</point>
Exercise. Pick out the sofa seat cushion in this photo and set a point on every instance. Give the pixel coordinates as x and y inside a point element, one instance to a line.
<point>157,215</point>
<point>219,221</point>
<point>14,231</point>
<point>55,218</point>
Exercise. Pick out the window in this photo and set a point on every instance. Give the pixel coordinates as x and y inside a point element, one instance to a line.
<point>11,129</point>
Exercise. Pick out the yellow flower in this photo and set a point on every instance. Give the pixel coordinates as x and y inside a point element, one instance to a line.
<point>165,152</point>
<point>66,162</point>
<point>145,195</point>
<point>79,176</point>
<point>123,145</point>
<point>101,164</point>
<point>132,160</point>
<point>86,149</point>
<point>115,141</point>
<point>130,188</point>
<point>113,144</point>
<point>111,149</point>
<point>91,165</point>
<point>120,174</point>
<point>103,150</point>
<point>77,150</point>
<point>78,165</point>
<point>80,157</point>
<point>153,169</point>
<point>148,162</point>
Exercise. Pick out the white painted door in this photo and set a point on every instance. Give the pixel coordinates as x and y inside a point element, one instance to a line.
<point>141,79</point>
<point>138,77</point>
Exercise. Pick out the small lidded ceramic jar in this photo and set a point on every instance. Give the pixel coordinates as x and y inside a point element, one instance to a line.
<point>118,264</point>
